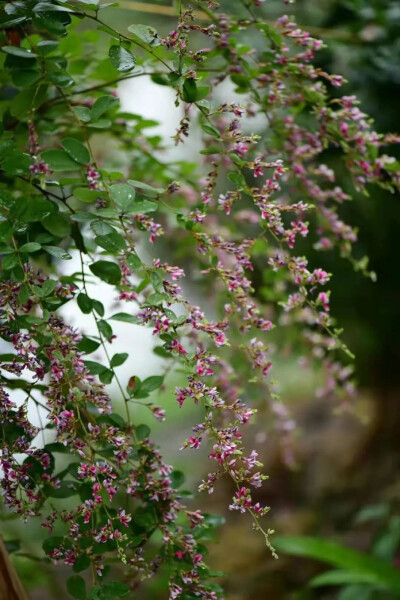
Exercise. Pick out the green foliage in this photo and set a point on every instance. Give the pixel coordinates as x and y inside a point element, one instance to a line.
<point>76,587</point>
<point>76,150</point>
<point>356,567</point>
<point>123,60</point>
<point>68,156</point>
<point>107,271</point>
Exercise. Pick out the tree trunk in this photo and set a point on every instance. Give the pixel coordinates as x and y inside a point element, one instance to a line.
<point>10,585</point>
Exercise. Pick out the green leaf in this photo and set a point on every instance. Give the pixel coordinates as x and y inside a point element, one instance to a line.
<point>189,90</point>
<point>117,420</point>
<point>101,124</point>
<point>57,447</point>
<point>48,7</point>
<point>151,383</point>
<point>372,512</point>
<point>25,77</point>
<point>59,160</point>
<point>175,79</point>
<point>133,262</point>
<point>87,345</point>
<point>113,242</point>
<point>386,545</point>
<point>123,195</point>
<point>161,79</point>
<point>24,293</point>
<point>12,22</point>
<point>98,307</point>
<point>61,79</point>
<point>107,4</point>
<point>27,100</point>
<point>82,216</point>
<point>76,150</point>
<point>343,578</point>
<point>177,478</point>
<point>242,81</point>
<point>156,281</point>
<point>94,367</point>
<point>145,33</point>
<point>119,359</point>
<point>17,51</point>
<point>43,238</point>
<point>106,376</point>
<point>78,238</point>
<point>150,190</point>
<point>107,271</point>
<point>95,592</point>
<point>66,490</point>
<point>81,563</point>
<point>58,224</point>
<point>51,543</point>
<point>87,195</point>
<point>161,351</point>
<point>49,286</point>
<point>142,207</point>
<point>34,320</point>
<point>46,47</point>
<point>85,303</point>
<point>30,247</point>
<point>114,589</point>
<point>142,432</point>
<point>340,556</point>
<point>125,317</point>
<point>6,231</point>
<point>76,586</point>
<point>58,252</point>
<point>105,329</point>
<point>102,105</point>
<point>38,291</point>
<point>144,518</point>
<point>31,209</point>
<point>202,92</point>
<point>121,59</point>
<point>6,146</point>
<point>158,298</point>
<point>18,274</point>
<point>101,228</point>
<point>108,213</point>
<point>83,113</point>
<point>237,178</point>
<point>17,163</point>
<point>211,130</point>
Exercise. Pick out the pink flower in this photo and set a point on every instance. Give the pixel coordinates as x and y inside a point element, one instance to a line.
<point>194,442</point>
<point>220,340</point>
<point>124,518</point>
<point>319,276</point>
<point>175,591</point>
<point>323,298</point>
<point>158,413</point>
<point>177,347</point>
<point>240,148</point>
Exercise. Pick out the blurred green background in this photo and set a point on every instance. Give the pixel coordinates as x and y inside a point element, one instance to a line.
<point>344,464</point>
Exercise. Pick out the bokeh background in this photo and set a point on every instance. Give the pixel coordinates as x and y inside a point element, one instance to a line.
<point>346,484</point>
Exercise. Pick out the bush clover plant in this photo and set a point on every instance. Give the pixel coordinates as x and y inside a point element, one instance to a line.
<point>81,177</point>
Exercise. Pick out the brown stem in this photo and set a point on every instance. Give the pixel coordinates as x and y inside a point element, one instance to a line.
<point>10,585</point>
